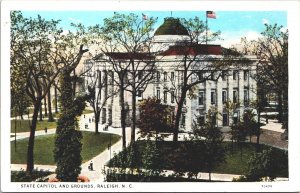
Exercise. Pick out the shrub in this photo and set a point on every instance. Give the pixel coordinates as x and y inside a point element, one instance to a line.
<point>22,176</point>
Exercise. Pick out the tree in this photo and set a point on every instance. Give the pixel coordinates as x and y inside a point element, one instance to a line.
<point>231,108</point>
<point>252,124</point>
<point>31,44</point>
<point>125,41</point>
<point>98,100</point>
<point>154,117</point>
<point>272,68</point>
<point>239,134</point>
<point>19,102</point>
<point>262,165</point>
<point>68,139</point>
<point>212,138</point>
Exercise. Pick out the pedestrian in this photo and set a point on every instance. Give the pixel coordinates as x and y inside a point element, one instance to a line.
<point>91,168</point>
<point>46,129</point>
<point>83,115</point>
<point>89,120</point>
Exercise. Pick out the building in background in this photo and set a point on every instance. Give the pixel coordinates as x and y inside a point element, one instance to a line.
<point>233,84</point>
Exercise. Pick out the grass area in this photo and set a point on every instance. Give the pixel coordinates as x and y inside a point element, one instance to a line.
<point>23,125</point>
<point>44,145</point>
<point>238,164</point>
<point>234,164</point>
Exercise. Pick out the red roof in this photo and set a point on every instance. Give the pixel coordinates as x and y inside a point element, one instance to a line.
<point>127,56</point>
<point>194,50</point>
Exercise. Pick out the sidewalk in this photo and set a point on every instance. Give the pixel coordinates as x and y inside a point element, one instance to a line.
<point>37,133</point>
<point>273,125</point>
<point>100,160</point>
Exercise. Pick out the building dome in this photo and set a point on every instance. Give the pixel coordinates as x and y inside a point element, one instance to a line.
<point>171,26</point>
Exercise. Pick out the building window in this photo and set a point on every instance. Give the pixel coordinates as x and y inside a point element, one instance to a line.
<point>225,119</point>
<point>165,76</point>
<point>235,117</point>
<point>140,74</point>
<point>246,74</point>
<point>140,93</point>
<point>212,75</point>
<point>214,119</point>
<point>183,120</point>
<point>172,76</point>
<point>105,78</point>
<point>165,96</point>
<point>224,96</point>
<point>111,77</point>
<point>201,120</point>
<point>201,98</point>
<point>99,78</point>
<point>172,97</point>
<point>157,76</point>
<point>158,94</point>
<point>200,75</point>
<point>246,97</point>
<point>224,75</point>
<point>213,97</point>
<point>181,75</point>
<point>235,74</point>
<point>235,96</point>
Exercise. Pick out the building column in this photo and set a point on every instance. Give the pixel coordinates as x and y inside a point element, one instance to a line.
<point>207,96</point>
<point>219,102</point>
<point>230,94</point>
<point>241,92</point>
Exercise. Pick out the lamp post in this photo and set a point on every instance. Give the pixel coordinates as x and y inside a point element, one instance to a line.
<point>109,146</point>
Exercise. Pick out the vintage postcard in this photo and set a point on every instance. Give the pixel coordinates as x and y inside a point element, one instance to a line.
<point>148,96</point>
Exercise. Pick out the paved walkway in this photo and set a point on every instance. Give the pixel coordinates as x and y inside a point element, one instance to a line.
<point>24,135</point>
<point>273,125</point>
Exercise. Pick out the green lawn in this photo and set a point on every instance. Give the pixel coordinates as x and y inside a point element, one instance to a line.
<point>23,125</point>
<point>43,152</point>
<point>234,164</point>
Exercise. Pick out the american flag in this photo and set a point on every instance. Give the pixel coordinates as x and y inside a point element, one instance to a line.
<point>145,17</point>
<point>211,14</point>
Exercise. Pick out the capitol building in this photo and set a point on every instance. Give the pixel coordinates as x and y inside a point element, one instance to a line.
<point>234,84</point>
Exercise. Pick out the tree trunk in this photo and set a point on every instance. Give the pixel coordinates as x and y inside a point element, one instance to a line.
<point>30,160</point>
<point>50,117</point>
<point>45,107</point>
<point>56,99</point>
<point>280,109</point>
<point>74,83</point>
<point>133,118</point>
<point>258,130</point>
<point>123,115</point>
<point>41,112</point>
<point>178,115</point>
<point>97,118</point>
<point>241,145</point>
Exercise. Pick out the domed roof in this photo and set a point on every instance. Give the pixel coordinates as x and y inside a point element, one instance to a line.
<point>171,26</point>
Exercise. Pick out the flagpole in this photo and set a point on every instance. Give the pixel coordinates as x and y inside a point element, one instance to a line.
<point>206,25</point>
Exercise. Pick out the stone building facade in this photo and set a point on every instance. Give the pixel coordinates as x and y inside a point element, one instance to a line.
<point>231,84</point>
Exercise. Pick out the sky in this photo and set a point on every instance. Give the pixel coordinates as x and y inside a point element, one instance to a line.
<point>232,24</point>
